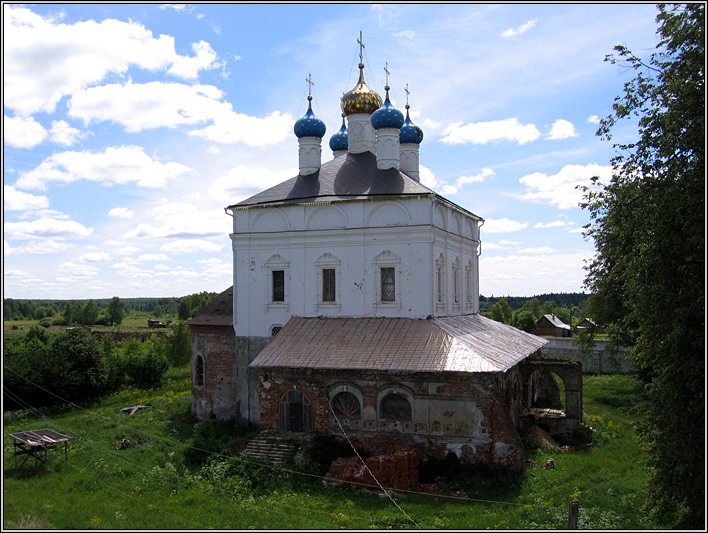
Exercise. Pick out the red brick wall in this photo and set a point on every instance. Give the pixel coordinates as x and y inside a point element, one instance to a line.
<point>440,423</point>
<point>217,398</point>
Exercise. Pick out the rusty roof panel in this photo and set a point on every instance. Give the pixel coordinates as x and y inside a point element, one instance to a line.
<point>469,343</point>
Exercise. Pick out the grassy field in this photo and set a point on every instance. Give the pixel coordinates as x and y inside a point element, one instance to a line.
<point>150,485</point>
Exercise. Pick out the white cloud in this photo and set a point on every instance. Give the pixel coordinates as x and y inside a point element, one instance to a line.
<point>512,32</point>
<point>44,60</point>
<point>78,270</point>
<point>153,257</point>
<point>115,165</point>
<point>502,225</point>
<point>594,119</point>
<point>537,250</point>
<point>62,133</point>
<point>562,129</point>
<point>408,34</point>
<point>42,228</point>
<point>121,212</point>
<point>190,246</point>
<point>95,257</point>
<point>554,224</point>
<point>484,132</point>
<point>242,181</point>
<point>477,178</point>
<point>141,106</point>
<point>551,272</point>
<point>41,247</point>
<point>561,189</point>
<point>232,127</point>
<point>22,132</point>
<point>15,200</point>
<point>189,67</point>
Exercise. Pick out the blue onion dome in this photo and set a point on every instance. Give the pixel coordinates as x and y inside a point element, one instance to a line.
<point>340,140</point>
<point>410,133</point>
<point>309,125</point>
<point>387,116</point>
<point>361,99</point>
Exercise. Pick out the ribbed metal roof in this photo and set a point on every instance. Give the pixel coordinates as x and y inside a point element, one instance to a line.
<point>469,343</point>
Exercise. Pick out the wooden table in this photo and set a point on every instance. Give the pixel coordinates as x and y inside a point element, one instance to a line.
<point>36,443</point>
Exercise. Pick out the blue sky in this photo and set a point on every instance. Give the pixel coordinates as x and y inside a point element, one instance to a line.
<point>128,128</point>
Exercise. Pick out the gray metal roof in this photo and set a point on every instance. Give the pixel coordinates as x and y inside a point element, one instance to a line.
<point>557,322</point>
<point>219,312</point>
<point>469,343</point>
<point>349,177</point>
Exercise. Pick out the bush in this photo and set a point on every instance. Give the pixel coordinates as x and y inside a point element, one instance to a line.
<point>145,364</point>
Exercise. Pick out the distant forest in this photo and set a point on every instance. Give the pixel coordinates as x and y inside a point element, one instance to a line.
<point>557,299</point>
<point>192,304</point>
<point>184,306</point>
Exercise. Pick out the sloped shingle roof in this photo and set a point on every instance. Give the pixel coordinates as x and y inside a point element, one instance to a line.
<point>469,343</point>
<point>349,177</point>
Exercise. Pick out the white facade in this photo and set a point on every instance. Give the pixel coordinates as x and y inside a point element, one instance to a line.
<point>431,245</point>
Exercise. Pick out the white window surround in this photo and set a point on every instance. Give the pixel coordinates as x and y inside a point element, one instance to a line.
<point>387,259</point>
<point>277,262</point>
<point>397,390</point>
<point>328,261</point>
<point>352,389</point>
<point>456,285</point>
<point>469,285</point>
<point>440,283</point>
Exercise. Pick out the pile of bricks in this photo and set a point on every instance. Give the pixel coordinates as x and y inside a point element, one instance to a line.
<point>397,471</point>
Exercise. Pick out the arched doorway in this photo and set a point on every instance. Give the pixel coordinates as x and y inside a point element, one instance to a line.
<point>295,412</point>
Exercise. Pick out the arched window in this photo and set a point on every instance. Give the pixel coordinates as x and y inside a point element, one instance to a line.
<point>295,412</point>
<point>346,405</point>
<point>395,407</point>
<point>199,371</point>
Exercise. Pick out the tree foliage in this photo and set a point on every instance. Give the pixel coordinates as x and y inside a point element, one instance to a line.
<point>40,370</point>
<point>116,311</point>
<point>648,277</point>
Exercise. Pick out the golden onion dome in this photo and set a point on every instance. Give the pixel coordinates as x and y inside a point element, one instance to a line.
<point>361,99</point>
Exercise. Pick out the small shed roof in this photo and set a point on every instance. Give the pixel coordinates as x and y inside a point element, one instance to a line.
<point>469,343</point>
<point>219,312</point>
<point>557,322</point>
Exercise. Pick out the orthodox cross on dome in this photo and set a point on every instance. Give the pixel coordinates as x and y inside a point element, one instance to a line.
<point>387,72</point>
<point>407,94</point>
<point>360,40</point>
<point>310,83</point>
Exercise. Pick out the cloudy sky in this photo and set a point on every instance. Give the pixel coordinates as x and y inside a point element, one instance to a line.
<point>128,128</point>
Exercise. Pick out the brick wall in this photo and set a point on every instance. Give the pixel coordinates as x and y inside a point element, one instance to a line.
<point>217,397</point>
<point>466,415</point>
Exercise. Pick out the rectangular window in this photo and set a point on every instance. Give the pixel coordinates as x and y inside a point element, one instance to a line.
<point>278,285</point>
<point>388,284</point>
<point>328,285</point>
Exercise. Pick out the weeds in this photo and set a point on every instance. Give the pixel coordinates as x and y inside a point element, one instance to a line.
<point>188,474</point>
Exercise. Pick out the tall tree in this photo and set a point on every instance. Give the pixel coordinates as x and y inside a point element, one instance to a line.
<point>116,311</point>
<point>648,277</point>
<point>502,312</point>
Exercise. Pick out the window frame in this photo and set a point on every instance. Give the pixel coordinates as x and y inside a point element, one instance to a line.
<point>384,260</point>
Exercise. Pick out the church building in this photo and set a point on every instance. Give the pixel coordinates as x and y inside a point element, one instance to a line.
<point>354,309</point>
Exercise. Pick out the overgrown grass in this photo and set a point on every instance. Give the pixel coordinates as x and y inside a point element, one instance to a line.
<point>181,474</point>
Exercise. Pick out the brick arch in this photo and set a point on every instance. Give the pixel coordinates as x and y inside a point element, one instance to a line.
<point>571,373</point>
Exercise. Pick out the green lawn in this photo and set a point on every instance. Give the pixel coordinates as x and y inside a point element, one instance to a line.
<point>150,486</point>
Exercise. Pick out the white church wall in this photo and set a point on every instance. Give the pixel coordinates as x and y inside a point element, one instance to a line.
<point>356,240</point>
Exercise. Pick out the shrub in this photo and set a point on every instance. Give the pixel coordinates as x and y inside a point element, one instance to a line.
<point>145,364</point>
